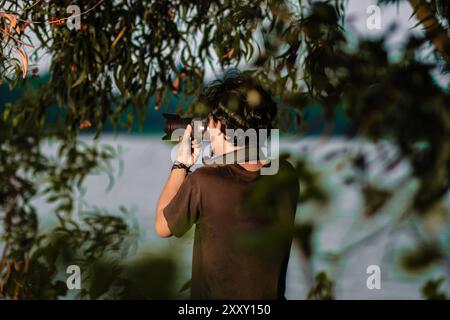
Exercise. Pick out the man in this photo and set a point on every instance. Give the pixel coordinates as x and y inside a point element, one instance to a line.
<point>244,220</point>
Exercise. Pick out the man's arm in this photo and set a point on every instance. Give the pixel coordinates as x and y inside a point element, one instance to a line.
<point>171,188</point>
<point>175,180</point>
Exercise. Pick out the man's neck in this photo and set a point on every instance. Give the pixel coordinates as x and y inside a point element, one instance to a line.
<point>225,148</point>
<point>249,166</point>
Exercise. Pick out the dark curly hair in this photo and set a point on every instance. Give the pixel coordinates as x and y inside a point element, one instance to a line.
<point>239,102</point>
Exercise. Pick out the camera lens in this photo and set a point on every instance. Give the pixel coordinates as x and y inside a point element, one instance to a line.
<point>173,122</point>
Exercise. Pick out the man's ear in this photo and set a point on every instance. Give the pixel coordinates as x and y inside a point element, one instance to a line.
<point>215,124</point>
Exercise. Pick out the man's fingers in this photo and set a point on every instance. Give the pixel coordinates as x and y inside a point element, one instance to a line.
<point>196,152</point>
<point>196,143</point>
<point>196,147</point>
<point>187,133</point>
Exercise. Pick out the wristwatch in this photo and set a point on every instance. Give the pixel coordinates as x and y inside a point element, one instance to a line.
<point>179,165</point>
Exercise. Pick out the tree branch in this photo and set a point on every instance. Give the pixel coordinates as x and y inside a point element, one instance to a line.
<point>433,30</point>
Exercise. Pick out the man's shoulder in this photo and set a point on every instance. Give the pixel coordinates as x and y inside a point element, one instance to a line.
<point>214,171</point>
<point>205,172</point>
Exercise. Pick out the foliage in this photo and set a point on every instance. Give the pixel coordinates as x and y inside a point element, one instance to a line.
<point>126,52</point>
<point>323,288</point>
<point>421,257</point>
<point>431,290</point>
<point>82,243</point>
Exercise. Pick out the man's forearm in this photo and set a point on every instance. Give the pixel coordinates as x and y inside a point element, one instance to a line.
<point>188,153</point>
<point>170,189</point>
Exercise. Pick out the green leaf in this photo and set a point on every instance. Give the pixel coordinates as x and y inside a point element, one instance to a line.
<point>80,80</point>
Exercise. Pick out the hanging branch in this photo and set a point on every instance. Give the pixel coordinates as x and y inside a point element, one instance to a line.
<point>433,29</point>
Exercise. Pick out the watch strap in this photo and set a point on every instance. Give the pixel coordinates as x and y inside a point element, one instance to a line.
<point>180,165</point>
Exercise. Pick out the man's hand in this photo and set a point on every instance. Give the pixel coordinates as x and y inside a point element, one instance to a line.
<point>188,151</point>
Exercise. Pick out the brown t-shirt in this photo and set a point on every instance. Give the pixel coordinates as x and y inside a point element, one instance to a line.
<point>243,233</point>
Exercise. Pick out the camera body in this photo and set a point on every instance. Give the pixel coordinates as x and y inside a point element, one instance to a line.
<point>174,122</point>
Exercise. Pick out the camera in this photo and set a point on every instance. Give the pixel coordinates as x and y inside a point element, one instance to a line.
<point>173,122</point>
